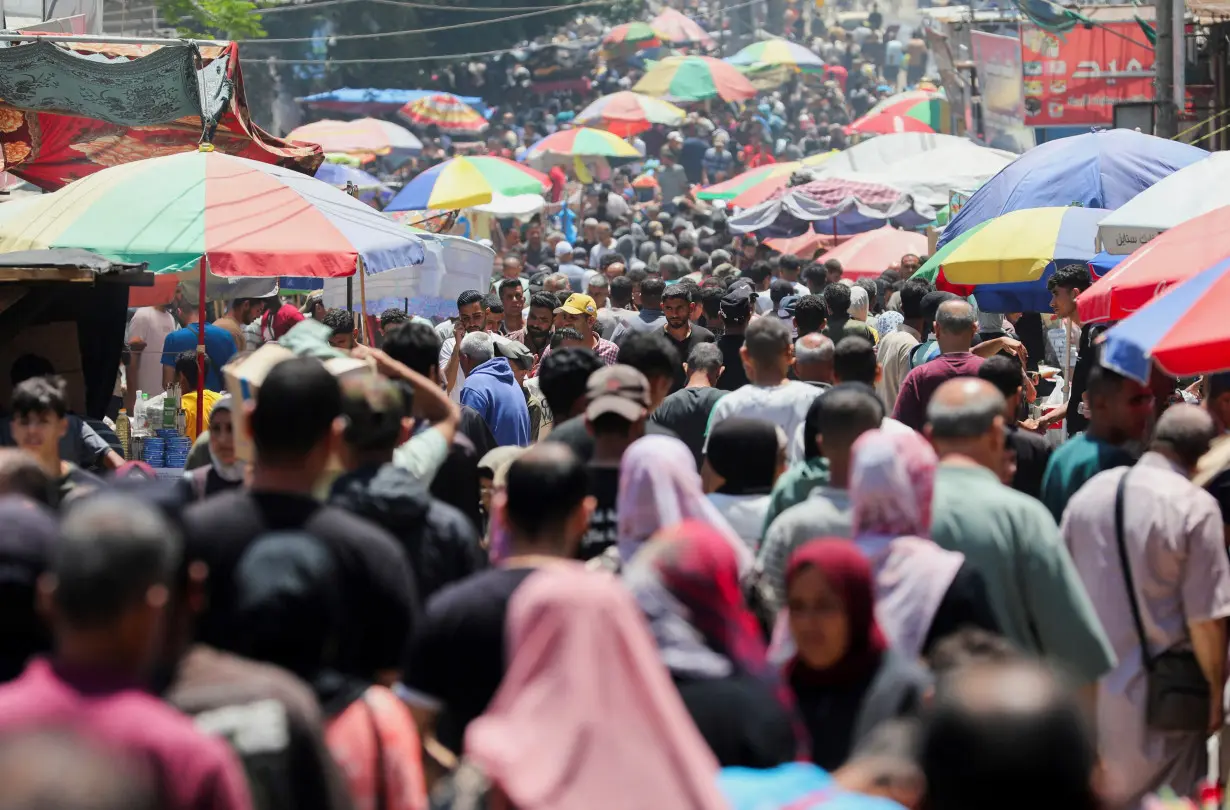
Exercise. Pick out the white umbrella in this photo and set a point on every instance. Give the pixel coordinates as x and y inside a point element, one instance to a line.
<point>1191,191</point>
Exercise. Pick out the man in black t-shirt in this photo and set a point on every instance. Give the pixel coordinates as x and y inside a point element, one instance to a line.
<point>679,330</point>
<point>686,412</point>
<point>458,657</point>
<point>736,309</point>
<point>1029,450</point>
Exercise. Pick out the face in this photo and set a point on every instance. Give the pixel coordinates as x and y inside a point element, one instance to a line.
<point>615,270</point>
<point>513,298</point>
<point>1063,302</point>
<point>512,267</point>
<point>597,293</point>
<point>344,342</point>
<point>910,263</point>
<point>472,317</point>
<point>817,619</point>
<point>604,233</point>
<point>1129,409</point>
<point>492,320</point>
<point>318,311</point>
<point>222,436</point>
<point>676,311</point>
<point>247,312</point>
<point>540,320</point>
<point>581,323</point>
<point>39,433</point>
<point>533,235</point>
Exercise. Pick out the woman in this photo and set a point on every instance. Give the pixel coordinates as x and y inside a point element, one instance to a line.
<point>846,677</point>
<point>743,460</point>
<point>686,581</point>
<point>923,593</point>
<point>659,486</point>
<point>586,715</point>
<point>225,471</point>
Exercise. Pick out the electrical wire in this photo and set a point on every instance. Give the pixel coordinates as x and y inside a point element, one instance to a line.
<point>405,3</point>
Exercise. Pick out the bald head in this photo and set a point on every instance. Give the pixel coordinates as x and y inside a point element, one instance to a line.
<point>813,358</point>
<point>1184,434</point>
<point>964,408</point>
<point>955,326</point>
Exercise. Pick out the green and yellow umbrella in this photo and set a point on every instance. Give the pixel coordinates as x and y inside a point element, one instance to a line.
<point>695,78</point>
<point>778,53</point>
<point>631,36</point>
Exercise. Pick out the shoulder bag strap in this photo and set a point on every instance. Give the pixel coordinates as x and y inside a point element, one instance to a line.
<point>382,798</point>
<point>1127,572</point>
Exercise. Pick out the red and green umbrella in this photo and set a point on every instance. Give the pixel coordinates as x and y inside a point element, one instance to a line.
<point>908,112</point>
<point>633,35</point>
<point>446,111</point>
<point>778,53</point>
<point>677,28</point>
<point>754,186</point>
<point>626,113</point>
<point>695,78</point>
<point>582,143</point>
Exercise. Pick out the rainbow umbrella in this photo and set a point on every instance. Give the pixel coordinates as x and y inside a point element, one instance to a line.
<point>633,34</point>
<point>695,78</point>
<point>754,186</point>
<point>569,145</point>
<point>677,28</point>
<point>444,111</point>
<point>338,175</point>
<point>464,182</point>
<point>909,112</point>
<point>363,136</point>
<point>626,113</point>
<point>778,53</point>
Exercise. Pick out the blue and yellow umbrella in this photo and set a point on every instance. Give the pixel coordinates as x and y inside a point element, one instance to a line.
<point>464,182</point>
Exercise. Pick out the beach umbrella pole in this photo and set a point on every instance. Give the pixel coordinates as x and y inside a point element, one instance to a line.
<point>200,355</point>
<point>363,294</point>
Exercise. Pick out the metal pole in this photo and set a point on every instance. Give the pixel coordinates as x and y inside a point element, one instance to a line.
<point>1167,125</point>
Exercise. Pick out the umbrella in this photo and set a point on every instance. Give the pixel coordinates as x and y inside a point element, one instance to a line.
<point>369,136</point>
<point>444,111</point>
<point>678,29</point>
<point>1101,169</point>
<point>778,52</point>
<point>869,254</point>
<point>754,186</point>
<point>1184,331</point>
<point>695,78</point>
<point>635,34</point>
<point>918,113</point>
<point>338,175</point>
<point>833,206</point>
<point>626,113</point>
<point>464,182</point>
<point>568,145</point>
<point>1175,256</point>
<point>1008,260</point>
<point>1189,192</point>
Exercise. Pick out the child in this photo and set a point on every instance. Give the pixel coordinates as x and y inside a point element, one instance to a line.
<point>39,422</point>
<point>186,373</point>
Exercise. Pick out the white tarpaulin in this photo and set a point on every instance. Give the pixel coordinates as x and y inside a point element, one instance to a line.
<point>519,206</point>
<point>1176,198</point>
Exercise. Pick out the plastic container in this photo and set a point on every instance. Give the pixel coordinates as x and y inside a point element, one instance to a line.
<point>123,430</point>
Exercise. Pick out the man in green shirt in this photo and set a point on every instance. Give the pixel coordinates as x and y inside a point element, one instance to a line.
<point>1119,412</point>
<point>1009,537</point>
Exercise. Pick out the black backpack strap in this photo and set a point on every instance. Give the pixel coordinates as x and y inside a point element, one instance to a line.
<point>1128,582</point>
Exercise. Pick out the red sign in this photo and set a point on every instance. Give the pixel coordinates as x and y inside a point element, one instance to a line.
<point>1077,78</point>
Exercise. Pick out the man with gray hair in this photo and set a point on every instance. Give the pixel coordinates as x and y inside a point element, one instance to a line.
<point>1011,538</point>
<point>813,360</point>
<point>491,389</point>
<point>1148,534</point>
<point>955,326</point>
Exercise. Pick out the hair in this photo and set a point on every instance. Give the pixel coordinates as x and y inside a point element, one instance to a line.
<point>822,352</point>
<point>609,259</point>
<point>758,272</point>
<point>969,645</point>
<point>559,280</point>
<point>873,293</point>
<point>1187,431</point>
<point>833,266</point>
<point>392,317</point>
<point>598,280</point>
<point>675,292</point>
<point>1004,373</point>
<point>846,412</point>
<point>509,284</point>
<point>711,301</point>
<point>650,353</point>
<point>854,360</point>
<point>563,376</point>
<point>965,420</point>
<point>652,289</point>
<point>810,313</point>
<point>791,264</point>
<point>40,395</point>
<point>21,474</point>
<point>469,297</point>
<point>416,345</point>
<point>705,357</point>
<point>779,289</point>
<point>493,304</point>
<point>766,339</point>
<point>837,299</point>
<point>111,550</point>
<point>955,317</point>
<point>186,365</point>
<point>341,321</point>
<point>544,300</point>
<point>544,487</point>
<point>912,294</point>
<point>295,409</point>
<point>1102,382</point>
<point>621,290</point>
<point>813,275</point>
<point>1070,277</point>
<point>477,346</point>
<point>637,275</point>
<point>567,333</point>
<point>672,266</point>
<point>28,366</point>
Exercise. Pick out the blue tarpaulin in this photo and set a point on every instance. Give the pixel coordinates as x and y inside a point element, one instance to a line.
<point>368,100</point>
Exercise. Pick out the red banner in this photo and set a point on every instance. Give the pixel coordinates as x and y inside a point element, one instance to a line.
<point>1076,78</point>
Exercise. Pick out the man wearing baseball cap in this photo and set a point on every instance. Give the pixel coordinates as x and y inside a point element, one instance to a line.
<point>615,417</point>
<point>581,313</point>
<point>736,310</point>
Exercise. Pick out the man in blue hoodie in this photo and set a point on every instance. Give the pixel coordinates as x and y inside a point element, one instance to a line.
<point>491,389</point>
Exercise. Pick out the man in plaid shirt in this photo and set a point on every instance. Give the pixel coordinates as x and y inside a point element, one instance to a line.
<point>581,313</point>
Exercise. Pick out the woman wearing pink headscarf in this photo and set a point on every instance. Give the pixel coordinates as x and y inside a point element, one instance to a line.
<point>923,593</point>
<point>587,716</point>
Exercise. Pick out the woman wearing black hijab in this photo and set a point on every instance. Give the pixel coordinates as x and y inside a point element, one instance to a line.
<point>25,546</point>
<point>743,460</point>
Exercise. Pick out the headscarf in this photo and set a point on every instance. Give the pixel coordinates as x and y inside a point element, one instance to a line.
<point>745,453</point>
<point>659,486</point>
<point>233,472</point>
<point>585,704</point>
<point>848,573</point>
<point>887,322</point>
<point>892,477</point>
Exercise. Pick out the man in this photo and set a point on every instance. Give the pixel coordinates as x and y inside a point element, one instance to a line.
<point>187,374</point>
<point>845,414</point>
<point>512,296</point>
<point>493,314</point>
<point>788,269</point>
<point>437,539</point>
<point>815,278</point>
<point>1119,412</point>
<point>294,427</point>
<point>491,389</point>
<point>470,318</point>
<point>536,335</point>
<point>580,312</point>
<point>893,351</point>
<point>241,312</point>
<point>686,411</point>
<point>575,274</point>
<point>615,417</point>
<point>612,266</point>
<point>342,323</point>
<point>564,380</point>
<point>955,325</point>
<point>1026,452</point>
<point>760,276</point>
<point>147,330</point>
<point>840,324</point>
<point>692,156</point>
<point>1008,536</point>
<point>558,284</point>
<point>832,272</point>
<point>810,315</point>
<point>535,250</point>
<point>599,289</point>
<point>736,312</point>
<point>105,595</point>
<point>511,270</point>
<point>459,652</point>
<point>768,355</point>
<point>679,329</point>
<point>1065,285</point>
<point>813,360</point>
<point>605,245</point>
<point>718,161</point>
<point>672,180</point>
<point>218,343</point>
<point>1168,531</point>
<point>39,423</point>
<point>650,316</point>
<point>1215,466</point>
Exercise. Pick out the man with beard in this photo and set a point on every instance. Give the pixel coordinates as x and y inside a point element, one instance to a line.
<point>536,335</point>
<point>470,318</point>
<point>679,330</point>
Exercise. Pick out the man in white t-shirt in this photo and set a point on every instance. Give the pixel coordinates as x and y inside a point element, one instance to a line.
<point>146,332</point>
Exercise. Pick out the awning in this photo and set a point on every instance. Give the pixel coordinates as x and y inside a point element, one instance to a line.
<point>70,265</point>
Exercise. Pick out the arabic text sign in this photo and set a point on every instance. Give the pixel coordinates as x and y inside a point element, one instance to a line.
<point>1077,78</point>
<point>998,60</point>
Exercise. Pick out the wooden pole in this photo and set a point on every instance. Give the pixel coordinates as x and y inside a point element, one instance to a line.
<point>200,355</point>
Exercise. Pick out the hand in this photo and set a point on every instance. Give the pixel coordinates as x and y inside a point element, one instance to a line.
<point>1217,714</point>
<point>136,344</point>
<point>1014,346</point>
<point>384,364</point>
<point>1031,425</point>
<point>459,331</point>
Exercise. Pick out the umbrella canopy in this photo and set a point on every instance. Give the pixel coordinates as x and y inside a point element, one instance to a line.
<point>338,175</point>
<point>363,136</point>
<point>245,217</point>
<point>778,53</point>
<point>754,186</point>
<point>695,78</point>
<point>929,113</point>
<point>1098,169</point>
<point>464,182</point>
<point>677,28</point>
<point>583,142</point>
<point>633,33</point>
<point>869,254</point>
<point>1189,192</point>
<point>832,206</point>
<point>1184,331</point>
<point>1170,259</point>
<point>444,111</point>
<point>626,113</point>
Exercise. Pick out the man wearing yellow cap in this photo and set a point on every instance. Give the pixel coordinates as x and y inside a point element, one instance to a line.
<point>581,313</point>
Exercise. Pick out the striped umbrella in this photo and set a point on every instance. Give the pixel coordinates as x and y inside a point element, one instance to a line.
<point>464,182</point>
<point>626,113</point>
<point>634,34</point>
<point>757,185</point>
<point>677,28</point>
<point>568,145</point>
<point>695,78</point>
<point>445,111</point>
<point>778,53</point>
<point>910,112</point>
<point>363,136</point>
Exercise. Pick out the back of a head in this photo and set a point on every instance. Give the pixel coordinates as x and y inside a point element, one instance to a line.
<point>621,291</point>
<point>562,378</point>
<point>860,302</point>
<point>810,313</point>
<point>477,347</point>
<point>111,551</point>
<point>854,360</point>
<point>1010,736</point>
<point>846,412</point>
<point>766,340</point>
<point>651,292</point>
<point>1004,373</point>
<point>955,318</point>
<point>295,409</point>
<point>21,474</point>
<point>964,408</point>
<point>837,299</point>
<point>706,357</point>
<point>28,366</point>
<point>969,646</point>
<point>1186,431</point>
<point>372,408</point>
<point>416,345</point>
<point>912,294</point>
<point>544,487</point>
<point>813,348</point>
<point>650,353</point>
